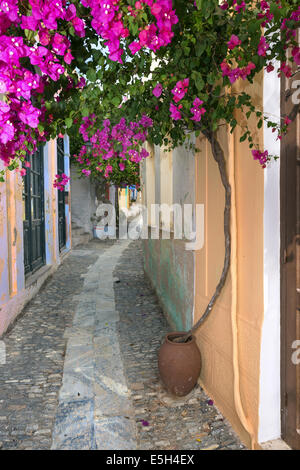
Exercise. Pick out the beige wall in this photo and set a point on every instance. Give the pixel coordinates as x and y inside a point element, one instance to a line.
<point>215,337</point>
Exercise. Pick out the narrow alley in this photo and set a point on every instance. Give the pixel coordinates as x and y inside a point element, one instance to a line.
<point>81,365</point>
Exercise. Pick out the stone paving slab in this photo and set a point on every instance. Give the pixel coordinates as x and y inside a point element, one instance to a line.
<point>93,371</point>
<point>117,433</point>
<point>74,425</point>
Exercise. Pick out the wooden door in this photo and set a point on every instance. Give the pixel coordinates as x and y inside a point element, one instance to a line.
<point>290,269</point>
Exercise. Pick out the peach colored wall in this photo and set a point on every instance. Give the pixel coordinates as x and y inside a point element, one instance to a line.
<point>215,337</point>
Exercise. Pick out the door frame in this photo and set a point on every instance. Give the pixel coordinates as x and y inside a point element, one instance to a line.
<point>61,197</point>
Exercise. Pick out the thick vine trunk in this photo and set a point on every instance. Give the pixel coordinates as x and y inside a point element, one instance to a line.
<point>219,157</point>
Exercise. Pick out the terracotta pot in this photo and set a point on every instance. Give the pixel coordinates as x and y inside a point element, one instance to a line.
<point>179,364</point>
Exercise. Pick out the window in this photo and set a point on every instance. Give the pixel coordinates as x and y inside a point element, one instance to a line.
<point>33,222</point>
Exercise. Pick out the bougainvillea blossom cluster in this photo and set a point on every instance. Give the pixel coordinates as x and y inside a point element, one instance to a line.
<point>43,45</point>
<point>61,180</point>
<point>262,157</point>
<point>109,22</point>
<point>121,142</point>
<point>39,43</point>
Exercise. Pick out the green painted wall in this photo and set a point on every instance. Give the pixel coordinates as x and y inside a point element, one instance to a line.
<point>170,269</point>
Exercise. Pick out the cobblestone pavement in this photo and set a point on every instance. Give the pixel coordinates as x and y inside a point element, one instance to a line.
<point>59,348</point>
<point>35,347</point>
<point>163,423</point>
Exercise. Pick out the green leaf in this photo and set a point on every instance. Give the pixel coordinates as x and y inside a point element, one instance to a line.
<point>200,48</point>
<point>85,112</point>
<point>91,75</point>
<point>199,82</point>
<point>68,122</point>
<point>116,101</point>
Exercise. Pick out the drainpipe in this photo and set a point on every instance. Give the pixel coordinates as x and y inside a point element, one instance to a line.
<point>233,271</point>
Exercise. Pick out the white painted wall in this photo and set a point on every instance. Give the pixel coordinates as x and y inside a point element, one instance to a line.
<point>269,404</point>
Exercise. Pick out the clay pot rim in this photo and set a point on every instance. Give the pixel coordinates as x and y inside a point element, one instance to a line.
<point>179,333</point>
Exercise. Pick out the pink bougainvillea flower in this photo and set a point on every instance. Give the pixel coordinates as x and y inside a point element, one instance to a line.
<point>234,42</point>
<point>144,423</point>
<point>44,37</point>
<point>234,74</point>
<point>79,27</point>
<point>4,107</point>
<point>180,90</point>
<point>224,5</point>
<point>122,166</point>
<point>68,57</point>
<point>270,68</point>
<point>7,132</point>
<point>175,113</point>
<point>286,69</point>
<point>60,43</point>
<point>157,91</point>
<point>196,110</point>
<point>239,6</point>
<point>225,68</point>
<point>29,115</point>
<point>296,54</point>
<point>287,120</point>
<point>262,157</point>
<point>61,180</point>
<point>29,22</point>
<point>263,46</point>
